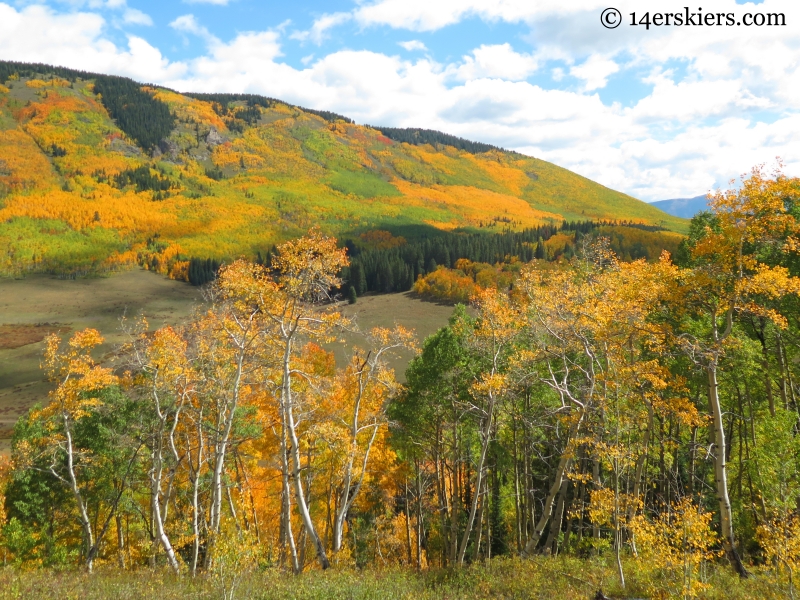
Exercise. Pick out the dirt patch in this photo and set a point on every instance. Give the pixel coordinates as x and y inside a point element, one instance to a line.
<point>17,336</point>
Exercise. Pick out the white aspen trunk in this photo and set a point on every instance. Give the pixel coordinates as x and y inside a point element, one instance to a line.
<point>547,510</point>
<point>350,492</point>
<point>86,523</point>
<point>196,495</point>
<point>286,505</point>
<point>300,493</point>
<point>637,479</point>
<point>462,550</point>
<point>551,543</point>
<point>222,446</point>
<point>721,472</point>
<point>419,519</point>
<point>120,543</point>
<point>294,449</point>
<point>618,527</point>
<point>408,524</point>
<point>155,493</point>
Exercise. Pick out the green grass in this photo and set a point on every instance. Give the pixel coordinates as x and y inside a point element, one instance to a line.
<point>361,183</point>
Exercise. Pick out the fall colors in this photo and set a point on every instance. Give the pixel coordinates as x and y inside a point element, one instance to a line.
<point>612,404</point>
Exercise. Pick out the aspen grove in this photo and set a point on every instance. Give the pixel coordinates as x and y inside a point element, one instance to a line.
<point>642,411</point>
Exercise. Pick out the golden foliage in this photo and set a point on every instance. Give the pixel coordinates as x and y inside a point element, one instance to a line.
<point>678,542</point>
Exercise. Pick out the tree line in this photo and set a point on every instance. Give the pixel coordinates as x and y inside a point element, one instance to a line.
<point>396,269</point>
<point>417,137</point>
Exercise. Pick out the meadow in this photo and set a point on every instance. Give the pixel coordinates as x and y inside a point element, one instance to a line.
<point>39,304</point>
<point>32,307</point>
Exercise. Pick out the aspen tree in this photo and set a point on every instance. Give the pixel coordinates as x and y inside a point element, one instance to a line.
<point>726,279</point>
<point>77,379</point>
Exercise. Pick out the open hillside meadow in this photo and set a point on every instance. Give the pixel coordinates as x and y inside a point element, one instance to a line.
<point>98,172</point>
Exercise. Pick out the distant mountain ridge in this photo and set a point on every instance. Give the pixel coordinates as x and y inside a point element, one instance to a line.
<point>99,170</point>
<point>684,208</point>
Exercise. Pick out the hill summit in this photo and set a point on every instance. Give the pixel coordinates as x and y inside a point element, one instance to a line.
<point>98,171</point>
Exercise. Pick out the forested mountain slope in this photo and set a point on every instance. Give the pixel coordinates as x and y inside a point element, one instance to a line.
<point>97,171</point>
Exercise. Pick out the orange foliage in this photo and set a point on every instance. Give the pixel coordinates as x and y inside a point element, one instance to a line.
<point>187,109</point>
<point>446,284</point>
<point>379,239</point>
<point>475,204</point>
<point>25,164</point>
<point>40,83</point>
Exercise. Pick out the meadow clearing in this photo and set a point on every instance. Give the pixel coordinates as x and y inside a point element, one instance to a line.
<point>37,305</point>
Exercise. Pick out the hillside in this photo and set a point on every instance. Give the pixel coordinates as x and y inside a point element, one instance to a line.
<point>98,171</point>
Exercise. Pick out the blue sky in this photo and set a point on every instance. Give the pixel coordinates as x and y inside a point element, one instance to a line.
<point>659,113</point>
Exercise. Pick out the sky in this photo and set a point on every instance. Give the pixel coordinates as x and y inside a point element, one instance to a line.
<point>659,112</point>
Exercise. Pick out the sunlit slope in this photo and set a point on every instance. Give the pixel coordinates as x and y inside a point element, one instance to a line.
<point>232,176</point>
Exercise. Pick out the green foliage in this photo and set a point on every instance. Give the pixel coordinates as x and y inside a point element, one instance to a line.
<point>253,100</point>
<point>202,270</point>
<point>362,184</point>
<point>142,117</point>
<point>396,269</point>
<point>275,171</point>
<point>143,179</point>
<point>560,577</point>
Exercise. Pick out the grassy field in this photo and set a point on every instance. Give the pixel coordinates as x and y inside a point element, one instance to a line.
<point>562,578</point>
<point>384,310</point>
<point>36,305</point>
<point>30,308</point>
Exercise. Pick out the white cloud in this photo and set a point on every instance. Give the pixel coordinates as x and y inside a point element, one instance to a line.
<point>216,2</point>
<point>595,72</point>
<point>496,61</point>
<point>76,39</point>
<point>413,45</point>
<point>424,15</point>
<point>319,29</point>
<point>189,24</point>
<point>134,16</point>
<point>696,126</point>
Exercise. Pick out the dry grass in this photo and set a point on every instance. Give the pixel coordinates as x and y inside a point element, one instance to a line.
<point>562,578</point>
<point>38,305</point>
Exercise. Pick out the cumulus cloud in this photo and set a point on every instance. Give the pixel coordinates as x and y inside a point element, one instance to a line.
<point>134,16</point>
<point>412,45</point>
<point>497,61</point>
<point>698,123</point>
<point>189,24</point>
<point>594,72</point>
<point>215,2</point>
<point>319,30</point>
<point>424,15</point>
<point>77,39</point>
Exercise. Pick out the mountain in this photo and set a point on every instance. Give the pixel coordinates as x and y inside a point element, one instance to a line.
<point>684,208</point>
<point>98,171</point>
